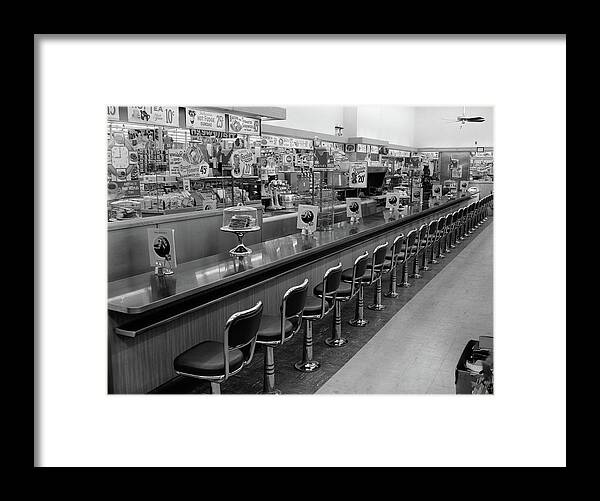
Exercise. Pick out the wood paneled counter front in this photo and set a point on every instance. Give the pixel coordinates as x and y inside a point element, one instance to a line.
<point>152,319</point>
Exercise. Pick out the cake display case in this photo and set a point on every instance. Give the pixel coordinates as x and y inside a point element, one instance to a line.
<point>240,220</point>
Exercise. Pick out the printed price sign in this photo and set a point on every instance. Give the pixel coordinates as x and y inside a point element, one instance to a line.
<point>244,125</point>
<point>199,171</point>
<point>155,115</point>
<point>175,156</point>
<point>357,173</point>
<point>353,208</point>
<point>207,120</point>
<point>307,217</point>
<point>392,201</point>
<point>112,113</point>
<point>436,191</point>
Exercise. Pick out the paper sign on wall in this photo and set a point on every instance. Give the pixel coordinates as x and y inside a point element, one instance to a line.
<point>244,125</point>
<point>207,120</point>
<point>357,173</point>
<point>307,217</point>
<point>175,157</point>
<point>353,208</point>
<point>112,113</point>
<point>361,148</point>
<point>155,115</point>
<point>436,191</point>
<point>392,201</point>
<point>161,246</point>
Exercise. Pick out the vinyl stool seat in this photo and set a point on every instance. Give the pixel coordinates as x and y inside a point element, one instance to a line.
<point>343,290</point>
<point>347,276</point>
<point>270,328</point>
<point>313,304</point>
<point>207,359</point>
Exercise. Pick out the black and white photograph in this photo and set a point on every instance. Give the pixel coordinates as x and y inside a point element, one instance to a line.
<point>350,249</point>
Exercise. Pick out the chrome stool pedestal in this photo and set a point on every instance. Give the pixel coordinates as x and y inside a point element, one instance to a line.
<point>307,364</point>
<point>377,304</point>
<point>359,312</point>
<point>269,373</point>
<point>392,293</point>
<point>336,340</point>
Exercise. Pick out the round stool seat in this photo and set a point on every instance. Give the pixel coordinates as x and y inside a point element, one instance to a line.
<point>270,328</point>
<point>343,290</point>
<point>313,305</point>
<point>207,359</point>
<point>347,276</point>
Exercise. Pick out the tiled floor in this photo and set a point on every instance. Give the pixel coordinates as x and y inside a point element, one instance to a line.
<point>417,350</point>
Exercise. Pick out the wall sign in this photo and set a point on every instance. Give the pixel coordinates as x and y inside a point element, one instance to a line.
<point>361,148</point>
<point>307,218</point>
<point>353,208</point>
<point>154,115</point>
<point>350,148</point>
<point>357,174</point>
<point>207,120</point>
<point>244,125</point>
<point>112,113</point>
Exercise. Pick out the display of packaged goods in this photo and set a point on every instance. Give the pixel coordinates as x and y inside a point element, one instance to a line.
<point>167,201</point>
<point>124,209</point>
<point>239,217</point>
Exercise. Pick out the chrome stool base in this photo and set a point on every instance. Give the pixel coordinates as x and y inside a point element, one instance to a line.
<point>272,392</point>
<point>310,366</point>
<point>426,268</point>
<point>336,342</point>
<point>357,322</point>
<point>376,307</point>
<point>391,295</point>
<point>415,275</point>
<point>435,261</point>
<point>405,284</point>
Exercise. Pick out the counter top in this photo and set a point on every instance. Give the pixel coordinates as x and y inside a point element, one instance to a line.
<point>141,293</point>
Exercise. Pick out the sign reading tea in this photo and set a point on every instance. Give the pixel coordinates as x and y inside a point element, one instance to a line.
<point>154,115</point>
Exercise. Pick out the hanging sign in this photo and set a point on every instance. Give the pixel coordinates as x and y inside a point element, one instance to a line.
<point>361,148</point>
<point>175,157</point>
<point>357,174</point>
<point>353,208</point>
<point>112,113</point>
<point>154,115</point>
<point>307,218</point>
<point>207,120</point>
<point>350,148</point>
<point>392,201</point>
<point>436,191</point>
<point>244,125</point>
<point>161,245</point>
<point>374,149</point>
<point>241,162</point>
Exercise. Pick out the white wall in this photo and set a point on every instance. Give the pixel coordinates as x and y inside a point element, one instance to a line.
<point>321,119</point>
<point>432,131</point>
<point>391,123</point>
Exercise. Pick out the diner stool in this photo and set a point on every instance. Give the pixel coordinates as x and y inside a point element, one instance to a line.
<point>438,240</point>
<point>461,225</point>
<point>453,230</point>
<point>216,361</point>
<point>378,268</point>
<point>316,308</point>
<point>391,264</point>
<point>469,220</point>
<point>421,243</point>
<point>344,293</point>
<point>408,251</point>
<point>430,243</point>
<point>448,229</point>
<point>276,330</point>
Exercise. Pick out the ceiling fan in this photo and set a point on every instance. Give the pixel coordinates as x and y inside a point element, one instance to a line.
<point>464,118</point>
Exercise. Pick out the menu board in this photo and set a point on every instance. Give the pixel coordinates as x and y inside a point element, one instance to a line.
<point>207,120</point>
<point>154,115</point>
<point>112,113</point>
<point>361,148</point>
<point>357,174</point>
<point>244,125</point>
